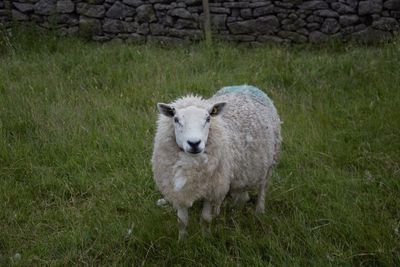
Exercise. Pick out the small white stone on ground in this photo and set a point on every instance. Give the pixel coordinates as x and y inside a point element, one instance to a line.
<point>161,202</point>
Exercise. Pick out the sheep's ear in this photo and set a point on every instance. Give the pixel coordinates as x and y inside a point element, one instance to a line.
<point>166,110</point>
<point>217,109</point>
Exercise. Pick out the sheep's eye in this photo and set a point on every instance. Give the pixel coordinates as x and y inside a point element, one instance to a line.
<point>208,119</point>
<point>176,120</point>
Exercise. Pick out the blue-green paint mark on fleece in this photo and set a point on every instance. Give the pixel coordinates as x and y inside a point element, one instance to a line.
<point>250,90</point>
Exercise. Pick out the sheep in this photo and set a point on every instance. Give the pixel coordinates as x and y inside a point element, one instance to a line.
<point>205,149</point>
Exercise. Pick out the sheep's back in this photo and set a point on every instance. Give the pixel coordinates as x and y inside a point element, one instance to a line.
<point>253,126</point>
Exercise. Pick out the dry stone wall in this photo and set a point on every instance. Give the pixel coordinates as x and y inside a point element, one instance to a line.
<point>5,13</point>
<point>253,21</point>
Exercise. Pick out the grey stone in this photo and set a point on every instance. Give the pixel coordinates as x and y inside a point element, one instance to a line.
<point>282,15</point>
<point>269,39</point>
<point>161,1</point>
<point>313,5</point>
<point>143,28</point>
<point>392,4</point>
<point>235,12</point>
<point>261,11</point>
<point>317,37</point>
<point>90,26</point>
<point>348,20</point>
<point>302,31</point>
<point>293,36</point>
<point>283,4</point>
<point>359,27</point>
<point>386,24</point>
<point>167,21</point>
<point>326,13</point>
<point>162,7</point>
<point>347,30</point>
<point>222,10</point>
<point>95,2</point>
<point>145,13</point>
<point>330,26</point>
<point>352,3</point>
<point>192,2</point>
<point>69,19</point>
<point>313,26</point>
<point>65,6</point>
<point>238,38</point>
<point>258,4</point>
<point>120,11</point>
<point>283,10</point>
<point>131,37</point>
<point>218,21</point>
<point>369,7</point>
<point>195,9</point>
<point>19,16</point>
<point>395,14</point>
<point>343,8</point>
<point>289,27</point>
<point>180,13</point>
<point>315,18</point>
<point>134,3</point>
<point>262,25</point>
<point>236,4</point>
<point>185,23</point>
<point>96,11</point>
<point>45,7</point>
<point>157,29</point>
<point>300,23</point>
<point>370,35</point>
<point>23,7</point>
<point>186,34</point>
<point>118,26</point>
<point>246,13</point>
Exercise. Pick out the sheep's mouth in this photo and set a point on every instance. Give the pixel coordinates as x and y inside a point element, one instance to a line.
<point>194,152</point>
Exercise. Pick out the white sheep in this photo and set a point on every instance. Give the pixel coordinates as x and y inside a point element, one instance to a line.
<point>205,148</point>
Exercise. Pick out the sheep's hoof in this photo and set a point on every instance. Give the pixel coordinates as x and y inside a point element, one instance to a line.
<point>182,236</point>
<point>206,229</point>
<point>260,210</point>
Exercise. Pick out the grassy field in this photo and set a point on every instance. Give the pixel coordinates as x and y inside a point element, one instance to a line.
<point>77,122</point>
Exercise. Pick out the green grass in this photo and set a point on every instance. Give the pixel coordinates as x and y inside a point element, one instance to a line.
<point>77,122</point>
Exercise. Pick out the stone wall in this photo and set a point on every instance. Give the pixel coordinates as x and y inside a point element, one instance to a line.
<point>5,13</point>
<point>244,20</point>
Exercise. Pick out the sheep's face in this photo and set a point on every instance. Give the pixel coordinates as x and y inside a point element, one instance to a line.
<point>192,125</point>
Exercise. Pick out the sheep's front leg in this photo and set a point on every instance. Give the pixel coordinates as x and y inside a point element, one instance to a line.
<point>183,220</point>
<point>206,217</point>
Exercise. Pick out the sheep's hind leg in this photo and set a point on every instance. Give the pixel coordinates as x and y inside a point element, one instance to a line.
<point>183,220</point>
<point>206,217</point>
<point>260,207</point>
<point>217,207</point>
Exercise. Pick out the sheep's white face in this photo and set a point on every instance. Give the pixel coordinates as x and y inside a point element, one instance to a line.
<point>192,125</point>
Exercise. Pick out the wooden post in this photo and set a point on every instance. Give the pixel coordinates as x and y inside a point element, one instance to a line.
<point>207,24</point>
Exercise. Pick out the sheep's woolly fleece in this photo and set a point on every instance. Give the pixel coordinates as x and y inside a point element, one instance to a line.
<point>243,146</point>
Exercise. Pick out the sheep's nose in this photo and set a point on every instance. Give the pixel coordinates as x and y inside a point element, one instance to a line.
<point>194,145</point>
